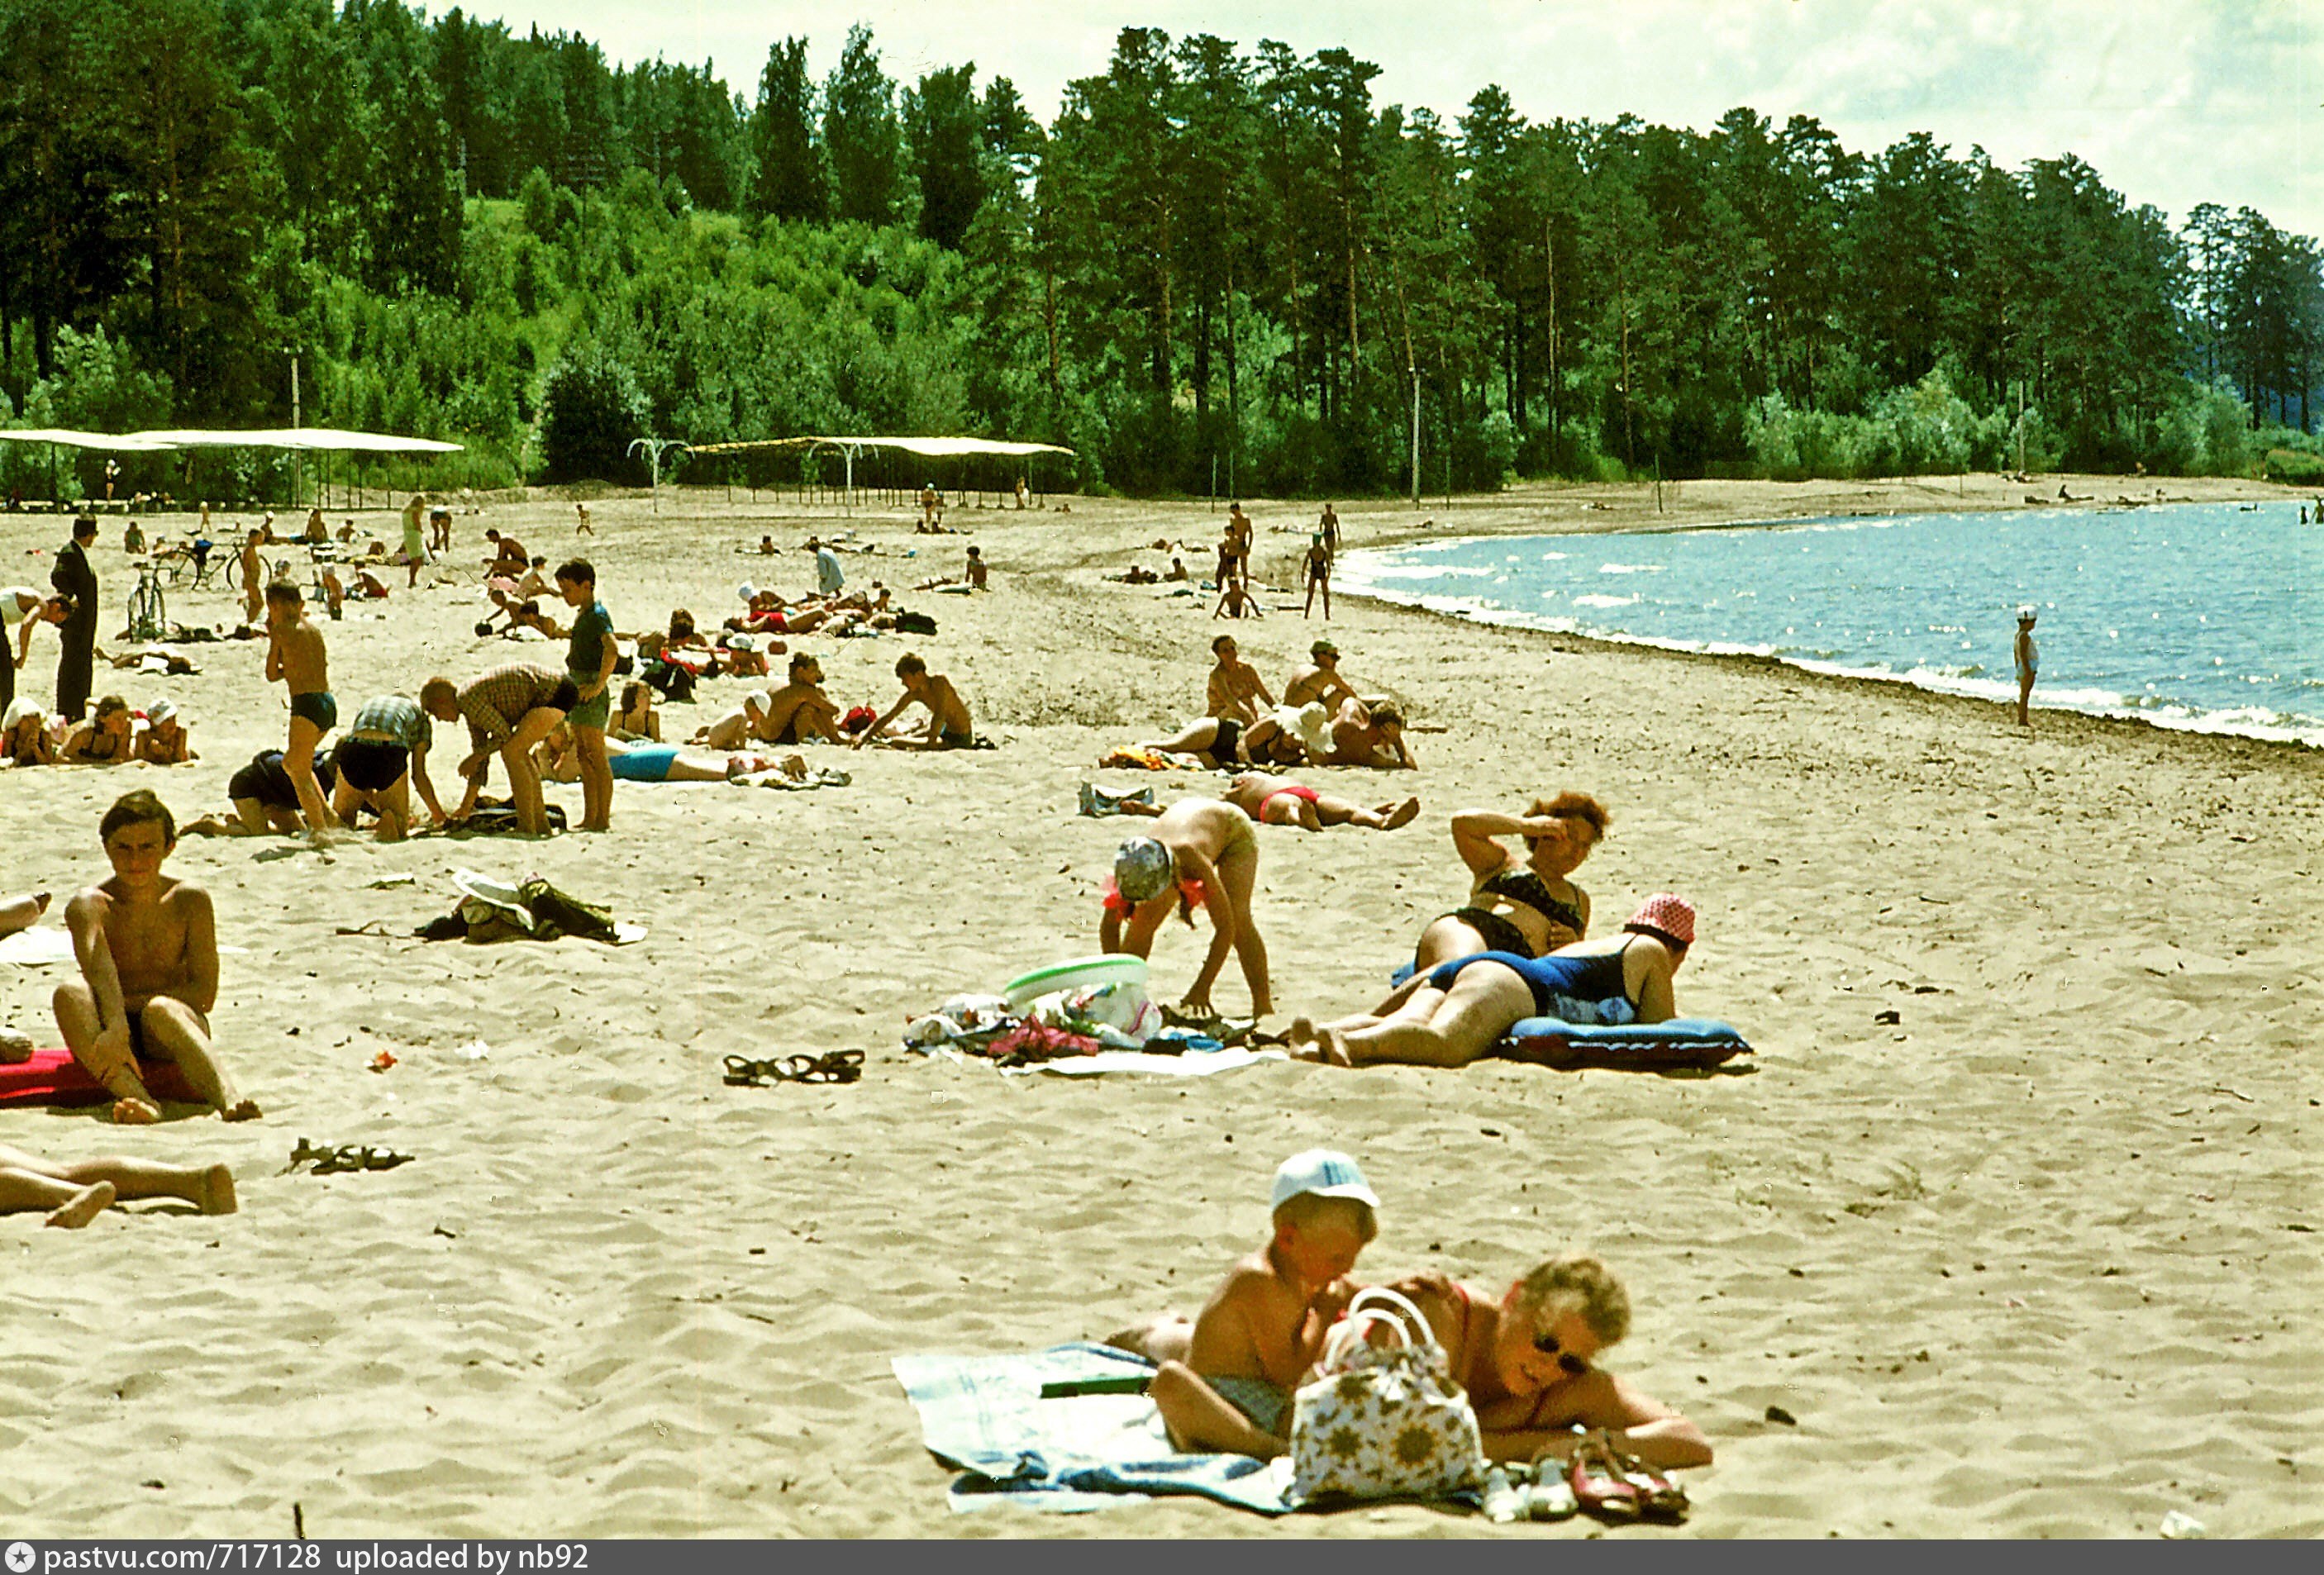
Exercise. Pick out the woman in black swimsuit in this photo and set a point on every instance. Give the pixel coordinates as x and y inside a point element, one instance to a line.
<point>1527,906</point>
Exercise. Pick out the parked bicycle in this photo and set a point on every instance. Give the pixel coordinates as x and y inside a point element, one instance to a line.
<point>149,612</point>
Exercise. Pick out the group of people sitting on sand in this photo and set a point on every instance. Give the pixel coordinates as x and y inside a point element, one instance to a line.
<point>1527,1358</point>
<point>1320,721</point>
<point>111,735</point>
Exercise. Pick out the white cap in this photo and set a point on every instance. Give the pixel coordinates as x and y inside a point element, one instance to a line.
<point>746,590</point>
<point>161,711</point>
<point>741,643</point>
<point>2026,614</point>
<point>18,709</point>
<point>1324,1172</point>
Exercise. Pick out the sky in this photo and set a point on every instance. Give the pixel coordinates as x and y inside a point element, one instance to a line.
<point>2175,102</point>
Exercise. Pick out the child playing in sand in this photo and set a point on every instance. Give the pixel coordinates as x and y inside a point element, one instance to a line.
<point>949,727</point>
<point>147,946</point>
<point>75,1195</point>
<point>296,658</point>
<point>1264,1326</point>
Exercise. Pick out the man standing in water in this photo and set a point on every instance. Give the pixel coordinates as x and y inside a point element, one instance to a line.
<point>2029,661</point>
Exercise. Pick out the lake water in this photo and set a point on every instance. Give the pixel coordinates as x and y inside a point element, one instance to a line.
<point>2191,615</point>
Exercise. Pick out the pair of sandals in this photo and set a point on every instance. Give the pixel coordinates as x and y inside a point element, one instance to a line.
<point>330,1161</point>
<point>832,1066</point>
<point>1620,1488</point>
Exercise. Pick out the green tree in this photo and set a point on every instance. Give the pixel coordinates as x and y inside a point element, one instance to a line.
<point>861,136</point>
<point>943,129</point>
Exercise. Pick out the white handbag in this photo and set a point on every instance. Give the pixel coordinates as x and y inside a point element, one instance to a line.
<point>1383,1421</point>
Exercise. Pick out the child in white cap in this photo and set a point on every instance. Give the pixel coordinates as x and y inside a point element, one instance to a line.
<point>2029,664</point>
<point>1264,1326</point>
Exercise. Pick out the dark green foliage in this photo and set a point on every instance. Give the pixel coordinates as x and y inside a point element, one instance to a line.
<point>1219,262</point>
<point>591,411</point>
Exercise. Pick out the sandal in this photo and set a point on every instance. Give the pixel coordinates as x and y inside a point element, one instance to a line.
<point>1598,1487</point>
<point>383,1159</point>
<point>332,1161</point>
<point>742,1071</point>
<point>1550,1497</point>
<point>1660,1498</point>
<point>833,1066</point>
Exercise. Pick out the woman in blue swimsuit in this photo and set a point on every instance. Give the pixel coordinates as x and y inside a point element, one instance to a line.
<point>1458,1011</point>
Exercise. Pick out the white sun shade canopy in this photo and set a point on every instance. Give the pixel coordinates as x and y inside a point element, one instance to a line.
<point>311,438</point>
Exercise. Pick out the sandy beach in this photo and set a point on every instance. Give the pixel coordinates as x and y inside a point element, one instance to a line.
<point>2038,1259</point>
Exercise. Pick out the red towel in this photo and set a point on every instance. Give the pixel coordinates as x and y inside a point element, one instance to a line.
<point>52,1077</point>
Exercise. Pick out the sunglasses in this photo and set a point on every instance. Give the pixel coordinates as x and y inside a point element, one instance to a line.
<point>1572,1365</point>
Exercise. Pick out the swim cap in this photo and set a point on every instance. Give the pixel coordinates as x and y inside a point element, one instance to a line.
<point>1141,868</point>
<point>161,711</point>
<point>1665,915</point>
<point>2026,614</point>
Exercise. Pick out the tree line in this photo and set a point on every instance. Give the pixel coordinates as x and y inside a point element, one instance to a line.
<point>1217,266</point>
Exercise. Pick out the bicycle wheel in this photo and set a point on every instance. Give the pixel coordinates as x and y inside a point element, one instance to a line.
<point>234,571</point>
<point>175,571</point>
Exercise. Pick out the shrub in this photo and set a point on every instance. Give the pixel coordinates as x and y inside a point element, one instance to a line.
<point>591,410</point>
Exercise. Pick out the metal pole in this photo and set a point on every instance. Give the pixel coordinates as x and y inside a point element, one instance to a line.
<point>1415,371</point>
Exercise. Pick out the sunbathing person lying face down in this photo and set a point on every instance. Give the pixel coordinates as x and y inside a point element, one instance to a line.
<point>1457,1011</point>
<point>1527,905</point>
<point>1272,800</point>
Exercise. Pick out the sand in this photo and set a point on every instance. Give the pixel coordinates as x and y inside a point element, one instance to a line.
<point>2037,1260</point>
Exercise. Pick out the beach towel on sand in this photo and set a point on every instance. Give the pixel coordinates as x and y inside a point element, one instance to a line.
<point>52,1077</point>
<point>1071,1453</point>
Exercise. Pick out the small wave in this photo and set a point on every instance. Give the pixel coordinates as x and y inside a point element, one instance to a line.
<point>1630,569</point>
<point>1598,601</point>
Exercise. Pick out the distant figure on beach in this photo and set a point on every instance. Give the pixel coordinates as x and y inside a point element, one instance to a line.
<point>1528,906</point>
<point>163,740</point>
<point>581,526</point>
<point>1239,532</point>
<point>74,1195</point>
<point>1224,744</point>
<point>75,585</point>
<point>1202,853</point>
<point>1328,528</point>
<point>1020,491</point>
<point>1272,800</point>
<point>415,545</point>
<point>975,570</point>
<point>2029,665</point>
<point>1318,568</point>
<point>829,580</point>
<point>295,657</point>
<point>1454,1013</point>
<point>1236,692</point>
<point>147,947</point>
<point>948,724</point>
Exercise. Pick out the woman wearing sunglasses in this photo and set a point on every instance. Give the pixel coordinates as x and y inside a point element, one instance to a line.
<point>1528,1362</point>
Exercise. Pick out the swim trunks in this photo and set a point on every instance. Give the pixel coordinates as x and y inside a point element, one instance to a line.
<point>649,764</point>
<point>266,780</point>
<point>371,765</point>
<point>1294,791</point>
<point>1499,932</point>
<point>949,740</point>
<point>318,706</point>
<point>1572,989</point>
<point>1262,1401</point>
<point>1222,748</point>
<point>594,712</point>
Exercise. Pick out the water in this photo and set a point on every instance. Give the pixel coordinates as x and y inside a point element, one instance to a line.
<point>2191,615</point>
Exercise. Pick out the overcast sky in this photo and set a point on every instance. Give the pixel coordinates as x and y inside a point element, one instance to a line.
<point>2176,101</point>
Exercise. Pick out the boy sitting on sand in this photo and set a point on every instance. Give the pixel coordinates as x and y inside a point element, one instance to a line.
<point>949,728</point>
<point>1226,1384</point>
<point>147,945</point>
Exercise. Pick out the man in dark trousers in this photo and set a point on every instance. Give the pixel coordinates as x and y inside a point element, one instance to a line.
<point>76,582</point>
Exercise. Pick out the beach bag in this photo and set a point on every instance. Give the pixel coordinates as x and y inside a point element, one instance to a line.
<point>1383,1421</point>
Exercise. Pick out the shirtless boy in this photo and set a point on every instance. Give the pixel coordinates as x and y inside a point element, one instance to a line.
<point>1236,692</point>
<point>1370,735</point>
<point>949,727</point>
<point>295,657</point>
<point>147,946</point>
<point>800,709</point>
<point>1226,1383</point>
<point>254,576</point>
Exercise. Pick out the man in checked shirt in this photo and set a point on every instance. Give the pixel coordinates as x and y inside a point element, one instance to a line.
<point>510,709</point>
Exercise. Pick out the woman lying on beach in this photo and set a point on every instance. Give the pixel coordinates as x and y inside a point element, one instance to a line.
<point>1225,743</point>
<point>1527,906</point>
<point>104,740</point>
<point>1457,1011</point>
<point>75,1195</point>
<point>1202,853</point>
<point>649,762</point>
<point>1272,800</point>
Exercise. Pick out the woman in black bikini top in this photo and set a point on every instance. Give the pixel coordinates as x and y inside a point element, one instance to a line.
<point>1526,906</point>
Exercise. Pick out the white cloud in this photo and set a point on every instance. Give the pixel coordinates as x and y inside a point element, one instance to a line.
<point>2176,101</point>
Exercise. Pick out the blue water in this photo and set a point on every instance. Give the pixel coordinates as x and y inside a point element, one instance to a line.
<point>2191,615</point>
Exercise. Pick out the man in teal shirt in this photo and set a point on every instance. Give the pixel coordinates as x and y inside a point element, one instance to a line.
<point>589,662</point>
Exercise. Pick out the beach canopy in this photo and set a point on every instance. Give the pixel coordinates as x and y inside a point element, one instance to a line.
<point>309,438</point>
<point>932,447</point>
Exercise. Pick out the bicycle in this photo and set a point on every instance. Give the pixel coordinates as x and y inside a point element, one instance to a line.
<point>200,559</point>
<point>149,612</point>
